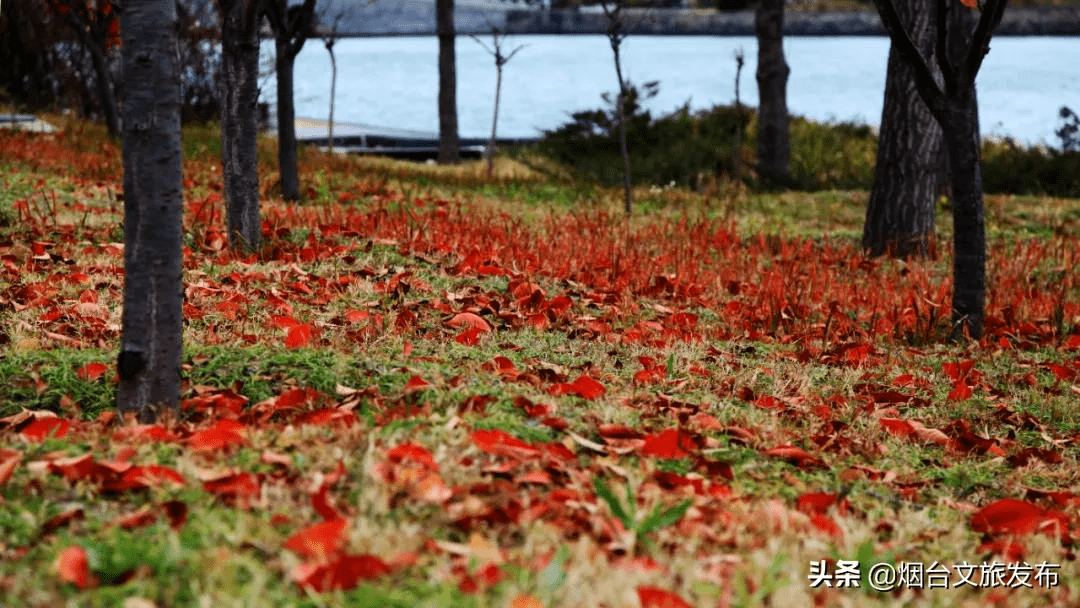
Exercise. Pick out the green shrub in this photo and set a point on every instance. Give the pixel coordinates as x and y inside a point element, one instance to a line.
<point>1011,169</point>
<point>680,147</point>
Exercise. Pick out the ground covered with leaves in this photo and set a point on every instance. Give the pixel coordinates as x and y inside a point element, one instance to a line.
<point>431,388</point>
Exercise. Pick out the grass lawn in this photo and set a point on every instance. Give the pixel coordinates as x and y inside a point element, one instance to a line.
<point>432,388</point>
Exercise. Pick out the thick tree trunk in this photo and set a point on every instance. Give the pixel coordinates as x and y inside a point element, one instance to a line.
<point>150,355</point>
<point>239,124</point>
<point>286,118</point>
<point>961,129</point>
<point>448,124</point>
<point>772,75</point>
<point>911,155</point>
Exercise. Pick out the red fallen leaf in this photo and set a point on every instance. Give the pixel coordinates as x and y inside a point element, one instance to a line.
<point>655,597</point>
<point>618,431</point>
<point>826,524</point>
<point>469,337</point>
<point>584,387</point>
<point>320,501</point>
<point>896,426</point>
<point>416,383</point>
<point>344,573</point>
<point>75,468</point>
<point>797,456</point>
<point>147,432</point>
<point>542,478</point>
<point>74,567</point>
<point>957,370</point>
<point>770,403</point>
<point>62,519</point>
<point>226,433</point>
<point>284,322</point>
<point>502,365</point>
<point>139,519</point>
<point>1061,372</point>
<point>1017,517</point>
<point>46,426</point>
<point>705,422</point>
<point>319,541</point>
<point>325,416</point>
<point>92,371</point>
<point>140,477</point>
<point>9,460</point>
<point>176,511</point>
<point>1071,343</point>
<point>414,452</point>
<point>961,391</point>
<point>499,443</point>
<point>295,398</point>
<point>664,445</point>
<point>471,320</point>
<point>299,336</point>
<point>815,502</point>
<point>242,487</point>
<point>356,316</point>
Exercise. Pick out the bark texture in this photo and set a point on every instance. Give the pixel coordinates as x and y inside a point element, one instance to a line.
<point>449,146</point>
<point>239,119</point>
<point>959,54</point>
<point>772,75</point>
<point>911,157</point>
<point>149,361</point>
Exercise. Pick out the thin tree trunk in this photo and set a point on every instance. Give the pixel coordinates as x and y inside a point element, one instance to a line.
<point>106,90</point>
<point>911,158</point>
<point>772,75</point>
<point>150,355</point>
<point>449,151</point>
<point>333,92</point>
<point>290,181</point>
<point>490,152</point>
<point>969,233</point>
<point>620,117</point>
<point>239,125</point>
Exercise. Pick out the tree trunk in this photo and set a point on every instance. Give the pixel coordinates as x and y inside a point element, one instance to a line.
<point>150,355</point>
<point>911,157</point>
<point>490,152</point>
<point>960,53</point>
<point>620,117</point>
<point>105,89</point>
<point>239,124</point>
<point>961,129</point>
<point>772,75</point>
<point>448,125</point>
<point>290,181</point>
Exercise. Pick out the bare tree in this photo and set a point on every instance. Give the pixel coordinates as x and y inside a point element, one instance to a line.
<point>500,60</point>
<point>330,38</point>
<point>616,33</point>
<point>911,160</point>
<point>150,354</point>
<point>449,145</point>
<point>97,28</point>
<point>959,54</point>
<point>239,120</point>
<point>772,75</point>
<point>291,25</point>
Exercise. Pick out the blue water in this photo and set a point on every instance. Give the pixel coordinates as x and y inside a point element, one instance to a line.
<point>393,82</point>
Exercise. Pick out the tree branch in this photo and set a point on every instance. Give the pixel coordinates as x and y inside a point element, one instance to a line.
<point>980,40</point>
<point>924,78</point>
<point>944,60</point>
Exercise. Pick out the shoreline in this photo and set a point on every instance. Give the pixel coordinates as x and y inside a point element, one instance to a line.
<point>417,19</point>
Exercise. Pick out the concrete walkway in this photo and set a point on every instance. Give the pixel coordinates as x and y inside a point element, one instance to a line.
<point>25,122</point>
